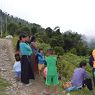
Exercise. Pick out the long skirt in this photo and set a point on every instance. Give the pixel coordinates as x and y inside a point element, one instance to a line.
<point>34,60</point>
<point>26,69</point>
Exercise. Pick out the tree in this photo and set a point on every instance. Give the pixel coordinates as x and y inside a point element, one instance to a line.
<point>49,32</point>
<point>57,41</point>
<point>33,30</point>
<point>57,30</point>
<point>12,28</point>
<point>72,41</point>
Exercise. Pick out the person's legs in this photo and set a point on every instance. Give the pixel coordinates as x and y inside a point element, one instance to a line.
<point>48,83</point>
<point>39,68</point>
<point>93,76</point>
<point>18,76</point>
<point>24,70</point>
<point>71,88</point>
<point>30,68</point>
<point>55,82</point>
<point>55,89</point>
<point>88,83</point>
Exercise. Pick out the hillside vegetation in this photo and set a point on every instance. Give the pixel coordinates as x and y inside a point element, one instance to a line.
<point>70,46</point>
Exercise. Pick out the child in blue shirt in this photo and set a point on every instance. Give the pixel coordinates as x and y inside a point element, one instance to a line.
<point>41,60</point>
<point>17,67</point>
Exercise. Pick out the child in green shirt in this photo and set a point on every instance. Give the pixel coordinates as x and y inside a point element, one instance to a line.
<point>52,75</point>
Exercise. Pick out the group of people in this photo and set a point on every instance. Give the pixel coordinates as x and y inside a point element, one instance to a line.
<point>26,53</point>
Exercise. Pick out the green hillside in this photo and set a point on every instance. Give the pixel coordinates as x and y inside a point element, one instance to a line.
<point>70,46</point>
<point>66,65</point>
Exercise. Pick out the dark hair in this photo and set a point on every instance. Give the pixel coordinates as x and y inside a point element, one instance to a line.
<point>17,45</point>
<point>50,50</point>
<point>33,38</point>
<point>40,49</point>
<point>22,36</point>
<point>17,57</point>
<point>82,63</point>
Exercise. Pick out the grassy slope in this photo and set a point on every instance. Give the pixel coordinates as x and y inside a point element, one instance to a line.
<point>67,63</point>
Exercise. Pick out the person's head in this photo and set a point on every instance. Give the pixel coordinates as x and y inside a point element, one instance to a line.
<point>23,37</point>
<point>41,50</point>
<point>17,57</point>
<point>50,51</point>
<point>32,39</point>
<point>82,64</point>
<point>27,39</point>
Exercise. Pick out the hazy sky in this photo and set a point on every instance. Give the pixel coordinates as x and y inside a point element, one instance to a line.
<point>77,15</point>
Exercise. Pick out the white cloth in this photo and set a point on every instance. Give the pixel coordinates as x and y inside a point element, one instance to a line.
<point>17,66</point>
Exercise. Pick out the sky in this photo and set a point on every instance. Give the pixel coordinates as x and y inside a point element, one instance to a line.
<point>75,15</point>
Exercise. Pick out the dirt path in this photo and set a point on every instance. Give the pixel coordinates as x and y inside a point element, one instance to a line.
<point>6,62</point>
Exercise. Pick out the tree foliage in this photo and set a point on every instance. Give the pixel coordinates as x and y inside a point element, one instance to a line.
<point>67,41</point>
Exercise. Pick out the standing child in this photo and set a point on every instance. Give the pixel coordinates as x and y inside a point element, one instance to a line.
<point>41,60</point>
<point>17,67</point>
<point>52,75</point>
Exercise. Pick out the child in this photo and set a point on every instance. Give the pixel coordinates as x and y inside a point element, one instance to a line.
<point>52,75</point>
<point>41,60</point>
<point>17,67</point>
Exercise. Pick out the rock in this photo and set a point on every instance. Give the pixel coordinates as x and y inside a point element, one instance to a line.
<point>9,37</point>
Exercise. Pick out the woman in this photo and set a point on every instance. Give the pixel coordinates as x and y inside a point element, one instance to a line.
<point>26,63</point>
<point>34,47</point>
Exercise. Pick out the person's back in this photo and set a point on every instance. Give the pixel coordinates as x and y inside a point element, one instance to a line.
<point>52,75</point>
<point>78,76</point>
<point>17,66</point>
<point>51,65</point>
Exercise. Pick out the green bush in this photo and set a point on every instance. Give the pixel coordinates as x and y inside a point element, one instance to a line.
<point>59,50</point>
<point>73,50</point>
